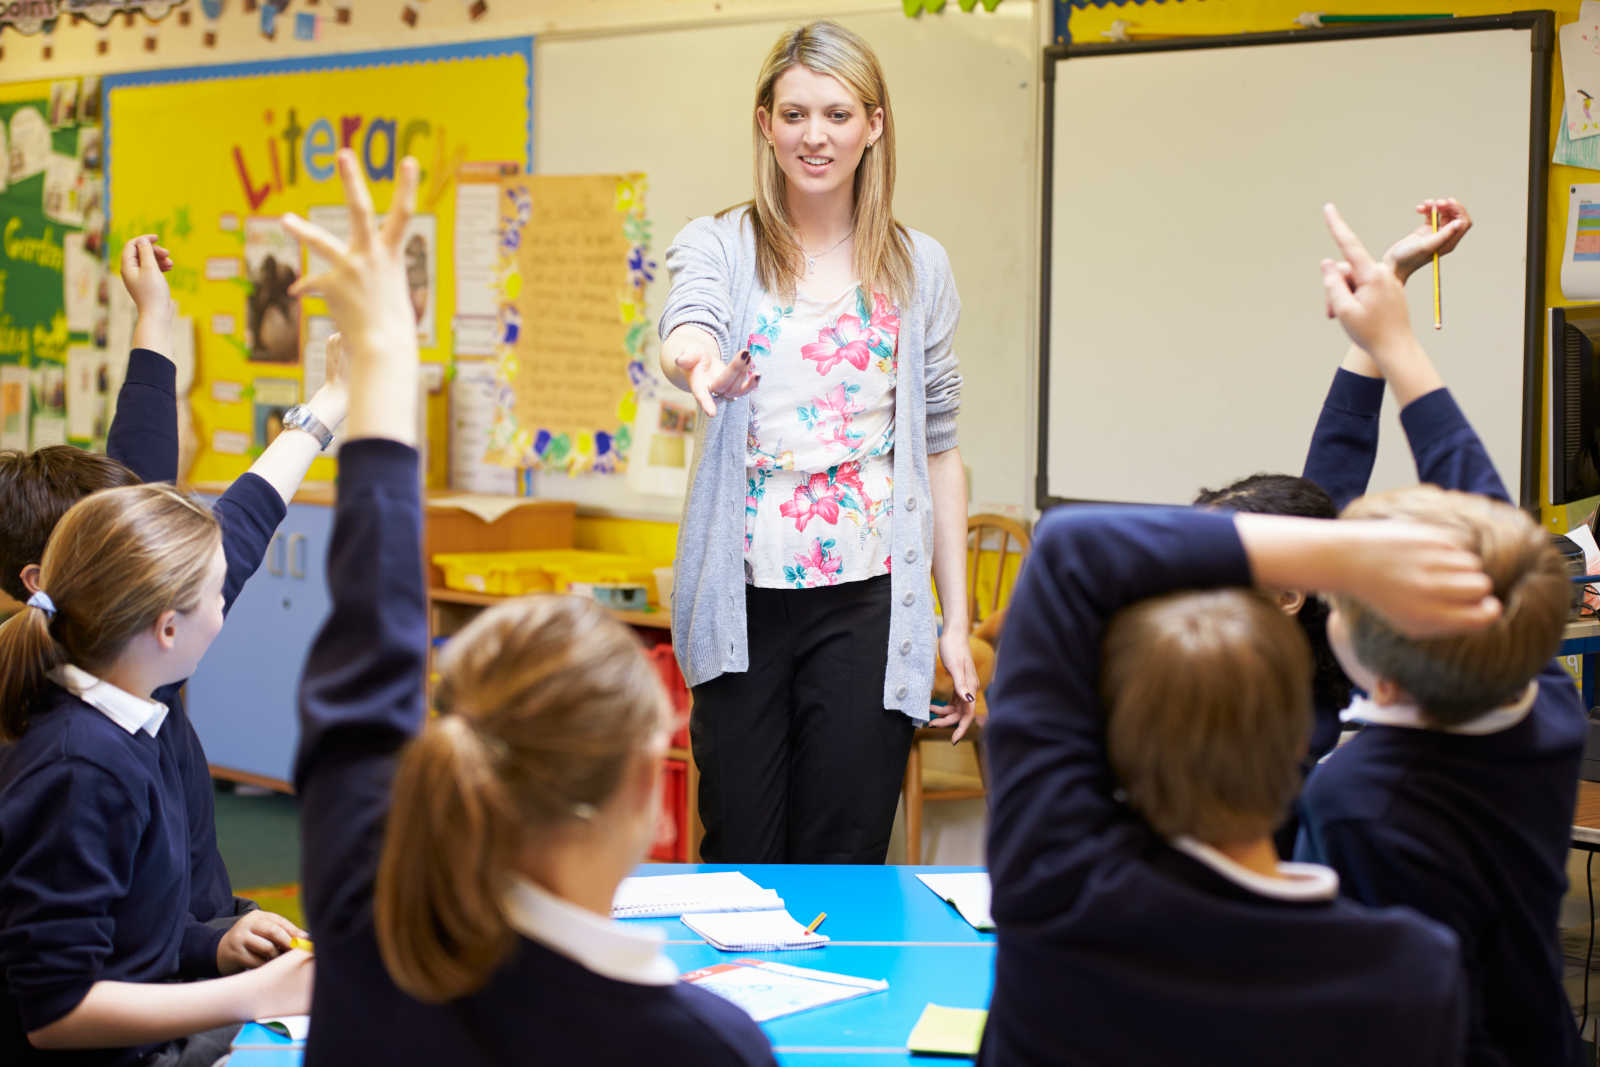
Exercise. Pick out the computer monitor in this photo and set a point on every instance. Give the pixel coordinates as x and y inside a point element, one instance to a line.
<point>1574,339</point>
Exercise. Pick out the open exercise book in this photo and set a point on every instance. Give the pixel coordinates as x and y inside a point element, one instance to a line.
<point>753,931</point>
<point>967,892</point>
<point>654,896</point>
<point>768,990</point>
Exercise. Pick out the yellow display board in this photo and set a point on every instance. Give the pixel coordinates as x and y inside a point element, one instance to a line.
<point>211,157</point>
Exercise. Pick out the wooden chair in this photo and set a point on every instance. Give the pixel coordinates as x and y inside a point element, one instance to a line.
<point>988,537</point>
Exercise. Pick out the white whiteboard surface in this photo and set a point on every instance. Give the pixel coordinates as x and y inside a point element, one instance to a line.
<point>677,104</point>
<point>1187,344</point>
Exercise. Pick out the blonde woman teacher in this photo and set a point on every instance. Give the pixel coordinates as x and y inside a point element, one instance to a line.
<point>815,333</point>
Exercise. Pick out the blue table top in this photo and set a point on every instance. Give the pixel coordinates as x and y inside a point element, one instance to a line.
<point>864,904</point>
<point>882,923</point>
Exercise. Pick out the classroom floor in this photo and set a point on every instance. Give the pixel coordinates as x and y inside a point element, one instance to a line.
<point>258,834</point>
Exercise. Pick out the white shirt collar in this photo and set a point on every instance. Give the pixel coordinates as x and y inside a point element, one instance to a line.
<point>1295,881</point>
<point>619,951</point>
<point>1362,709</point>
<point>132,713</point>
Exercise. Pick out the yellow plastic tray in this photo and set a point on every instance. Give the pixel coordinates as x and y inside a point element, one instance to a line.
<point>551,570</point>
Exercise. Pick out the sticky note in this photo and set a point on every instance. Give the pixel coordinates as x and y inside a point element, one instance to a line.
<point>945,1031</point>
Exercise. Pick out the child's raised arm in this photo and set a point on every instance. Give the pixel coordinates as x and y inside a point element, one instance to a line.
<point>284,463</point>
<point>1344,444</point>
<point>144,431</point>
<point>1366,296</point>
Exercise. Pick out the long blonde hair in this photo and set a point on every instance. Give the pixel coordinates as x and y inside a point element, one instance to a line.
<point>882,245</point>
<point>543,703</point>
<point>115,562</point>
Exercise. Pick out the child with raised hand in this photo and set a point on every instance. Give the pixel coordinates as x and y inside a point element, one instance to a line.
<point>1131,808</point>
<point>1456,797</point>
<point>459,872</point>
<point>1338,465</point>
<point>37,488</point>
<point>94,856</point>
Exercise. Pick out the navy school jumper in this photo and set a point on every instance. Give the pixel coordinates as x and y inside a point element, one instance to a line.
<point>96,841</point>
<point>1114,948</point>
<point>1470,830</point>
<point>361,700</point>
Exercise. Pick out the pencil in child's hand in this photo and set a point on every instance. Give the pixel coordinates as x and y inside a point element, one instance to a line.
<point>303,943</point>
<point>1438,323</point>
<point>816,922</point>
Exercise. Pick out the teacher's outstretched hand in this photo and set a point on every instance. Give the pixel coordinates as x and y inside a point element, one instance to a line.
<point>690,360</point>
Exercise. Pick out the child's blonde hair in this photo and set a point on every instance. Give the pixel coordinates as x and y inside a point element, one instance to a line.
<point>1458,677</point>
<point>882,247</point>
<point>543,703</point>
<point>1208,698</point>
<point>115,562</point>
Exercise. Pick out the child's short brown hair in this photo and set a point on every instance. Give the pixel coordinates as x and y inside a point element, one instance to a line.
<point>1208,698</point>
<point>1458,677</point>
<point>36,489</point>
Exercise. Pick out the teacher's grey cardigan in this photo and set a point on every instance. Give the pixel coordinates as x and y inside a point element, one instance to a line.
<point>714,286</point>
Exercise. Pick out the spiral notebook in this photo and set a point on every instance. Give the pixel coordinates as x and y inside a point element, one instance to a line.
<point>660,895</point>
<point>768,990</point>
<point>753,931</point>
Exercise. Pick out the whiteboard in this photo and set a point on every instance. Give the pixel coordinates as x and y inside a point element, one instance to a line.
<point>677,104</point>
<point>1184,343</point>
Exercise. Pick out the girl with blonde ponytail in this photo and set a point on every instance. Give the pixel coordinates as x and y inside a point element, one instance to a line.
<point>828,494</point>
<point>94,843</point>
<point>459,872</point>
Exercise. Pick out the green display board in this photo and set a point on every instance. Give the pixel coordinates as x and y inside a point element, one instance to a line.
<point>55,292</point>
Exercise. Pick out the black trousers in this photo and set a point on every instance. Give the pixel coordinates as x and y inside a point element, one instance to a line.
<point>799,760</point>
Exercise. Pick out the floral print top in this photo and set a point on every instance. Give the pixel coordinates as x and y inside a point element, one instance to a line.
<point>820,452</point>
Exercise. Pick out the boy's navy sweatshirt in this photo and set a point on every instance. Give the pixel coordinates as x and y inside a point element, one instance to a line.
<point>144,438</point>
<point>96,842</point>
<point>361,700</point>
<point>1470,829</point>
<point>1115,948</point>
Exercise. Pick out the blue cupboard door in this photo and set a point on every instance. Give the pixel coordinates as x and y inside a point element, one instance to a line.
<point>242,697</point>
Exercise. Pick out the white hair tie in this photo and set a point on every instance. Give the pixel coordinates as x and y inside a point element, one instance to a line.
<point>43,602</point>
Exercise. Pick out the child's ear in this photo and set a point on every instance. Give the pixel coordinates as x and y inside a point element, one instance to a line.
<point>1387,691</point>
<point>165,630</point>
<point>1290,601</point>
<point>30,577</point>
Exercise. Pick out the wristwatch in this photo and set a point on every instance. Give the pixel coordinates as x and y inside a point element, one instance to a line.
<point>300,417</point>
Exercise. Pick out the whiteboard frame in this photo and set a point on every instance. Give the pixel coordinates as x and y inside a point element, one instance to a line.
<point>1541,28</point>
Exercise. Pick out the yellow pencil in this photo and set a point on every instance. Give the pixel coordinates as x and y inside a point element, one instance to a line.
<point>816,922</point>
<point>301,943</point>
<point>1438,322</point>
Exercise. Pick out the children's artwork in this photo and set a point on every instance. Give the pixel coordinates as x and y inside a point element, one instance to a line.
<point>14,406</point>
<point>63,104</point>
<point>474,393</point>
<point>574,260</point>
<point>1580,67</point>
<point>663,448</point>
<point>91,141</point>
<point>89,100</point>
<point>315,362</point>
<point>30,144</point>
<point>61,189</point>
<point>272,315</point>
<point>49,429</point>
<point>81,278</point>
<point>1580,260</point>
<point>86,396</point>
<point>273,398</point>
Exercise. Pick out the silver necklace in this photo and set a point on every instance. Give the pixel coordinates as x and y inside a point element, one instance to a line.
<point>811,260</point>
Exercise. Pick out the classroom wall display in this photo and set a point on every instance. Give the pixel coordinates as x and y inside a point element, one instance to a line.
<point>258,140</point>
<point>1187,346</point>
<point>54,287</point>
<point>573,266</point>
